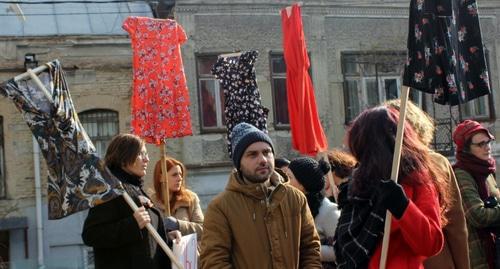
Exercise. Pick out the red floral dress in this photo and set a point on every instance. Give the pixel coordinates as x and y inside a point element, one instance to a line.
<point>160,98</point>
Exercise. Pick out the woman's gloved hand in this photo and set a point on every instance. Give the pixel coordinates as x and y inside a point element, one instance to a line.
<point>392,197</point>
<point>171,223</point>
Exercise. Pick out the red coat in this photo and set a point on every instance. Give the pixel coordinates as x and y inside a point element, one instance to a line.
<point>417,235</point>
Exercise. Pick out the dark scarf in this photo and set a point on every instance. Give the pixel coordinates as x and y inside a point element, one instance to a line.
<point>480,170</point>
<point>126,177</point>
<point>359,229</point>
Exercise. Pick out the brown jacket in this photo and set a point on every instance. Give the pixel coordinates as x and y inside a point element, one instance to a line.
<point>455,253</point>
<point>243,229</point>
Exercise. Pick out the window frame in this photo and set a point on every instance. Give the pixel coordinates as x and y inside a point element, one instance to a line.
<point>272,77</point>
<point>219,106</point>
<point>361,76</point>
<point>101,138</point>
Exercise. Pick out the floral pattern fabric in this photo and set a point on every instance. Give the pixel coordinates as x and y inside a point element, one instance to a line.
<point>78,178</point>
<point>445,51</point>
<point>160,98</point>
<point>242,96</point>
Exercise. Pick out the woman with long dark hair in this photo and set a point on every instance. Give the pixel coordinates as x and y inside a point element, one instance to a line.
<point>185,209</point>
<point>415,202</point>
<point>455,253</point>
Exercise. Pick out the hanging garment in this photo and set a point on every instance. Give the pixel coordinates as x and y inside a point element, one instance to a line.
<point>77,177</point>
<point>160,98</point>
<point>308,136</point>
<point>445,51</point>
<point>241,95</point>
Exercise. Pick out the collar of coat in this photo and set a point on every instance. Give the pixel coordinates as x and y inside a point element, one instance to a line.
<point>256,190</point>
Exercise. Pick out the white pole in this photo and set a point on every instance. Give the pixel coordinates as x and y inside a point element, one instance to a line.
<point>38,203</point>
<point>27,73</point>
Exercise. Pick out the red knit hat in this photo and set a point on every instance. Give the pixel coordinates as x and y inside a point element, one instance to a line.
<point>465,130</point>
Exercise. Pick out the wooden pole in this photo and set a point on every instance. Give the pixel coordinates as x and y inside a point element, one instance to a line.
<point>164,179</point>
<point>395,170</point>
<point>27,74</point>
<point>40,85</point>
<point>154,233</point>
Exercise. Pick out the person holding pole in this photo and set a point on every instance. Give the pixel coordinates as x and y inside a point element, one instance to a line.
<point>475,170</point>
<point>259,221</point>
<point>187,216</point>
<point>414,202</point>
<point>308,175</point>
<point>116,233</point>
<point>455,253</point>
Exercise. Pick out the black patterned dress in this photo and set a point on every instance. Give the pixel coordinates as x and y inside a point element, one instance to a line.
<point>445,51</point>
<point>242,96</point>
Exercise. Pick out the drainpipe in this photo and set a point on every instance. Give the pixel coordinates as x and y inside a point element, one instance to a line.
<point>38,204</point>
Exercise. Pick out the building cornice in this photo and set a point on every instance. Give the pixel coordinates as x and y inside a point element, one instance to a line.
<point>375,10</point>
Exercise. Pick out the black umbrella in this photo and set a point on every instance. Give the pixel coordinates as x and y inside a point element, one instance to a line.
<point>445,58</point>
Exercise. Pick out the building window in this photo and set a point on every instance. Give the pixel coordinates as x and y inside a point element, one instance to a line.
<point>278,84</point>
<point>3,178</point>
<point>4,249</point>
<point>101,126</point>
<point>372,78</point>
<point>211,95</point>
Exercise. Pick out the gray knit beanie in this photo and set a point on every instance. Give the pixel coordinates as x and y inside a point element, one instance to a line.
<point>242,136</point>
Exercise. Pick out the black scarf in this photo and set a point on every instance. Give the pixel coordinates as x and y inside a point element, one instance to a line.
<point>361,220</point>
<point>125,177</point>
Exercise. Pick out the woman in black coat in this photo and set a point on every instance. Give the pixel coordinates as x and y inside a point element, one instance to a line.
<point>117,234</point>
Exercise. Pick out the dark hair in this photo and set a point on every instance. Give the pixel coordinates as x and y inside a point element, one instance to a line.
<point>314,199</point>
<point>182,194</point>
<point>342,163</point>
<point>467,145</point>
<point>371,141</point>
<point>123,150</point>
<point>281,162</point>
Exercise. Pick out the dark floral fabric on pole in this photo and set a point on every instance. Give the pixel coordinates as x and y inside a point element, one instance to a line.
<point>241,95</point>
<point>445,51</point>
<point>78,178</point>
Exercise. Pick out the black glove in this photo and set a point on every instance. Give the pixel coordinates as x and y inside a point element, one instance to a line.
<point>393,197</point>
<point>170,223</point>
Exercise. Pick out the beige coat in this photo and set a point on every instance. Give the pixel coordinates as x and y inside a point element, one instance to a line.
<point>188,213</point>
<point>244,229</point>
<point>455,253</point>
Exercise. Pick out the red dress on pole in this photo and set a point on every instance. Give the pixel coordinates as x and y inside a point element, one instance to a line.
<point>308,136</point>
<point>160,98</point>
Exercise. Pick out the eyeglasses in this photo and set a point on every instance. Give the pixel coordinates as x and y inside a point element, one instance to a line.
<point>144,154</point>
<point>483,144</point>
